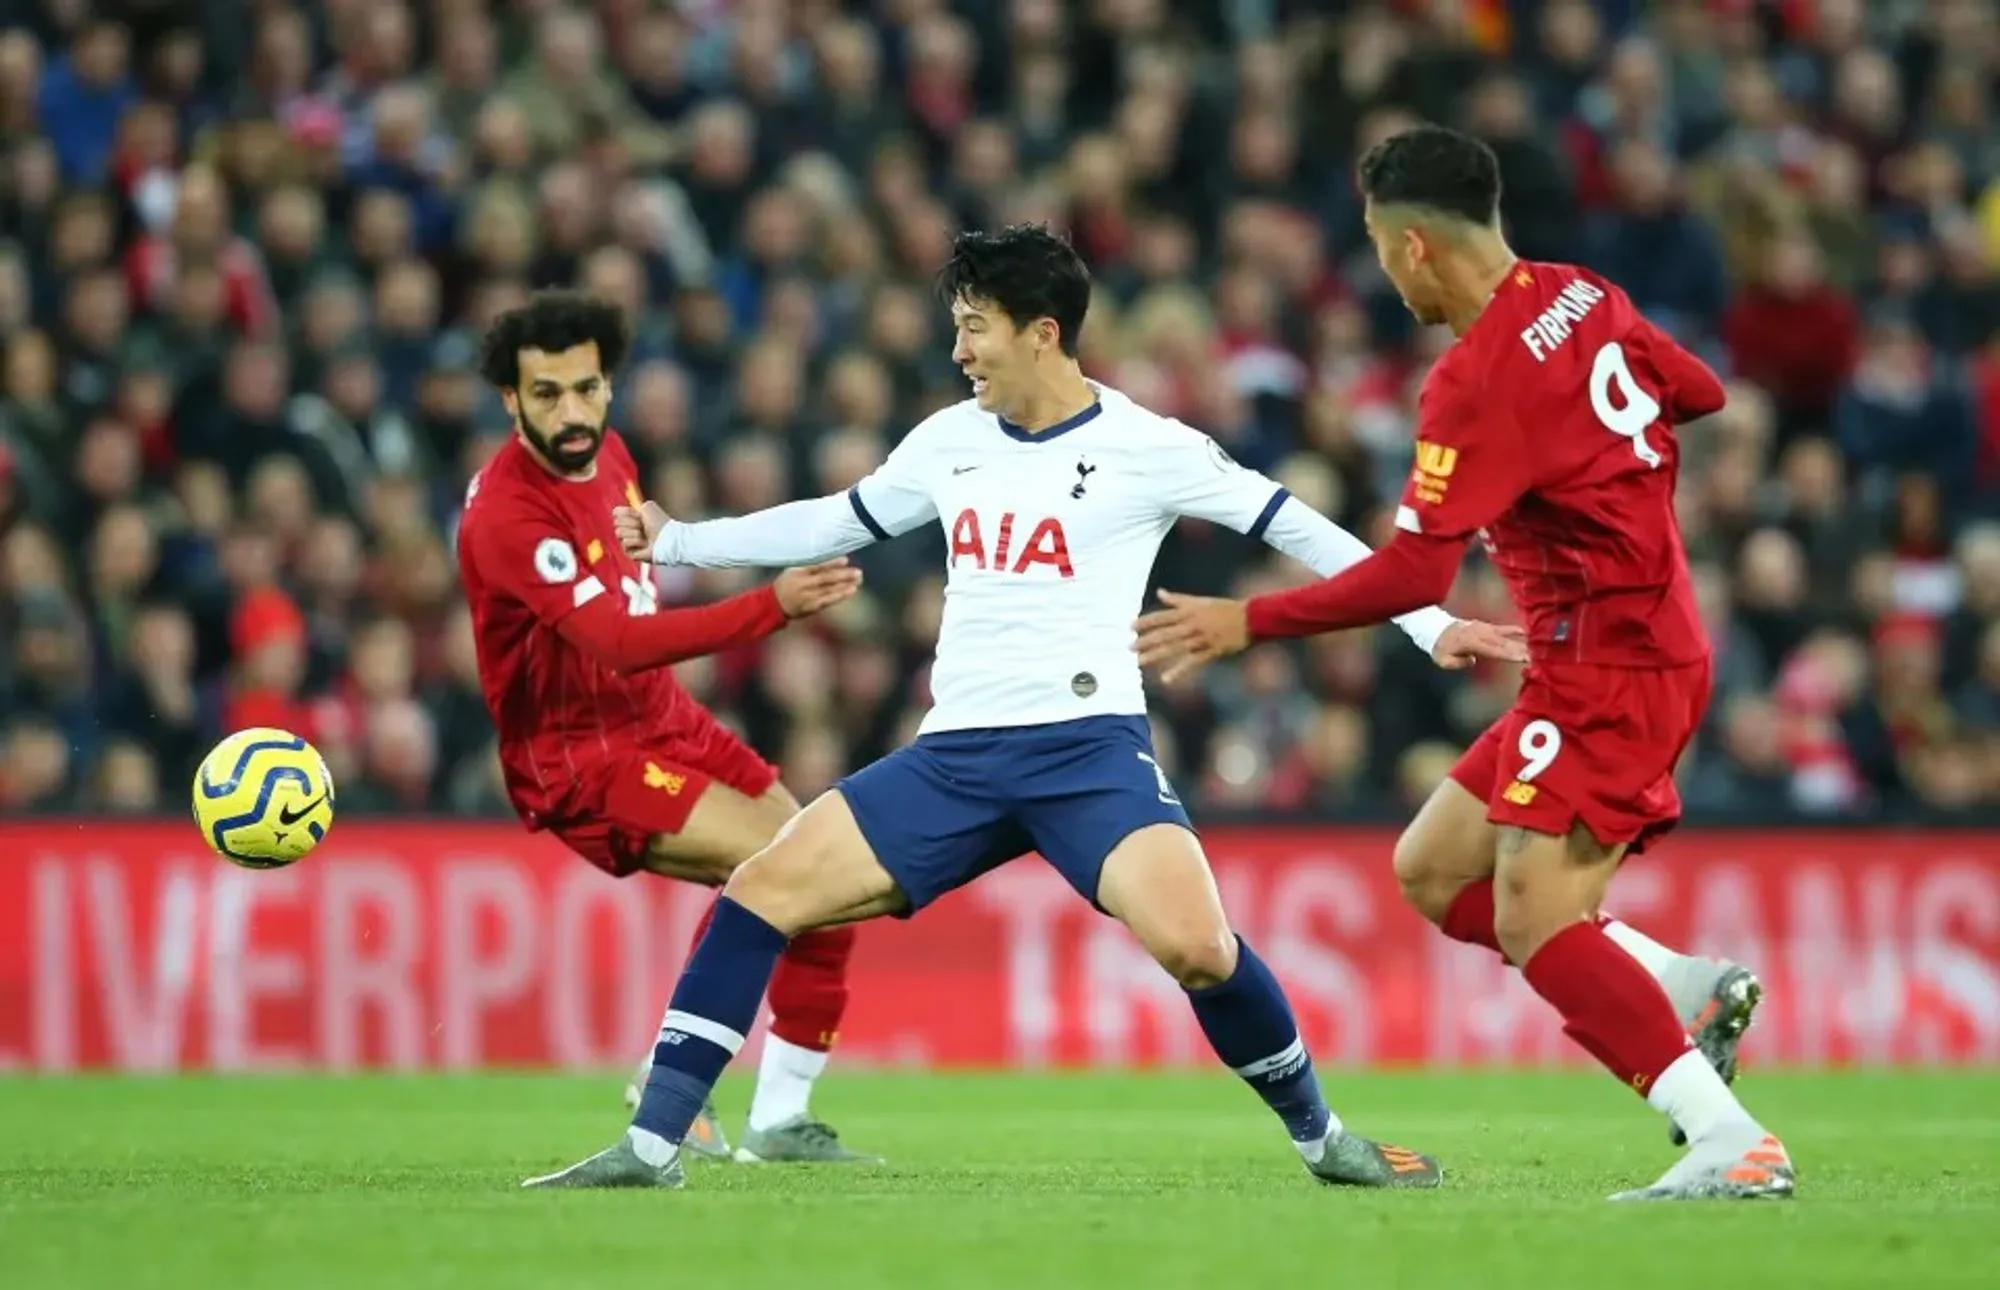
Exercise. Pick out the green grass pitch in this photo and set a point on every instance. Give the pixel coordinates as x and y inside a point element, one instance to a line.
<point>1002,1182</point>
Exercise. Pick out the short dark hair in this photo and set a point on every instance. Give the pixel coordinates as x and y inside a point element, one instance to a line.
<point>1026,270</point>
<point>1432,166</point>
<point>552,321</point>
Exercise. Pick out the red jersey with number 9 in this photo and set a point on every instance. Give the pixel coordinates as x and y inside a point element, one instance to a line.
<point>1548,431</point>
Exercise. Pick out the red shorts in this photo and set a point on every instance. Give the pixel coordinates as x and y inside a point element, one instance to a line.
<point>650,788</point>
<point>1591,744</point>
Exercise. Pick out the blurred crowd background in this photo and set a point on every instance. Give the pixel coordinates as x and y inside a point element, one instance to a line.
<point>247,246</point>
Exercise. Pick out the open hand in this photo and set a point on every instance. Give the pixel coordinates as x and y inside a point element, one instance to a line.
<point>805,592</point>
<point>1191,632</point>
<point>637,528</point>
<point>1468,640</point>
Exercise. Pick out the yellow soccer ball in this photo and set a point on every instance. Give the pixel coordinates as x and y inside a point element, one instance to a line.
<point>263,798</point>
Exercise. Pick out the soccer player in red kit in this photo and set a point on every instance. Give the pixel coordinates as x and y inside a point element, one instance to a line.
<point>599,743</point>
<point>1547,432</point>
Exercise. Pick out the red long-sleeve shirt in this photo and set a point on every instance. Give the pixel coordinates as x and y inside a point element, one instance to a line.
<point>574,649</point>
<point>1547,431</point>
<point>1409,573</point>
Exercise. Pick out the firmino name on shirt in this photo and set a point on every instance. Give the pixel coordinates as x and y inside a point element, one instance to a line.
<point>1553,325</point>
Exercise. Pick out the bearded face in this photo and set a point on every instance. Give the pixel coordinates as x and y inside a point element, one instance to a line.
<point>561,406</point>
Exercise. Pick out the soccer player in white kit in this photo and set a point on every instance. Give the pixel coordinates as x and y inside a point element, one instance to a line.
<point>1054,494</point>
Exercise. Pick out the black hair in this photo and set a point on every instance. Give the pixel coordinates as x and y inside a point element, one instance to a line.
<point>552,321</point>
<point>1432,166</point>
<point>1026,271</point>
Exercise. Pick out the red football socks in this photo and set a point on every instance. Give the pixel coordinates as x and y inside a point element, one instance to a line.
<point>809,989</point>
<point>1470,918</point>
<point>1609,1005</point>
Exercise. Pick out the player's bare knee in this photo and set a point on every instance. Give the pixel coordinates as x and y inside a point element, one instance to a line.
<point>780,881</point>
<point>1448,845</point>
<point>1427,886</point>
<point>776,885</point>
<point>817,872</point>
<point>1198,955</point>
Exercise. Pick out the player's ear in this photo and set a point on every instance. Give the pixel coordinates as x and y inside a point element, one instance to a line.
<point>510,398</point>
<point>1415,248</point>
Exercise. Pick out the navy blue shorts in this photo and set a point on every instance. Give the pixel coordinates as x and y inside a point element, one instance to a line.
<point>951,806</point>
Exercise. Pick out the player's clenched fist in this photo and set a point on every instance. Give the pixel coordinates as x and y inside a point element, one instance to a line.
<point>637,528</point>
<point>804,592</point>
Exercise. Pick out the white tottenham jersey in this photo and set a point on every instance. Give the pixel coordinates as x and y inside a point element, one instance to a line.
<point>1050,537</point>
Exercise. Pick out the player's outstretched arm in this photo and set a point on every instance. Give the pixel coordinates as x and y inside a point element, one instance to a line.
<point>626,643</point>
<point>892,500</point>
<point>1326,548</point>
<point>1195,630</point>
<point>796,533</point>
<point>518,548</point>
<point>1472,463</point>
<point>1412,571</point>
<point>1198,478</point>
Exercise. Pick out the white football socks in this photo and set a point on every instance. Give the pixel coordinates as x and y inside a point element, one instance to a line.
<point>1686,978</point>
<point>1656,958</point>
<point>785,1080</point>
<point>1692,1095</point>
<point>649,1146</point>
<point>1315,1151</point>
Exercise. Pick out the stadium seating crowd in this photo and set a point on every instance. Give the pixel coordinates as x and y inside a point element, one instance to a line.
<point>247,248</point>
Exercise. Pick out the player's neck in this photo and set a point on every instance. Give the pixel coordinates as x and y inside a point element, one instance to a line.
<point>1484,269</point>
<point>1055,401</point>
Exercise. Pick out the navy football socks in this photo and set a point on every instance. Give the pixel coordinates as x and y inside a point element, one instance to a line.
<point>1251,1027</point>
<point>714,1005</point>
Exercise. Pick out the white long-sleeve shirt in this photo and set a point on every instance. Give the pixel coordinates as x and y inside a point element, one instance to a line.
<point>1051,540</point>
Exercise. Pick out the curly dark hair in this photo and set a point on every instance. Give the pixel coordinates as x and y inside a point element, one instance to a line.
<point>1025,270</point>
<point>553,321</point>
<point>1435,167</point>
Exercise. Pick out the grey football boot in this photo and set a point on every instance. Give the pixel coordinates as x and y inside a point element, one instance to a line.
<point>618,1165</point>
<point>799,1140</point>
<point>1738,1162</point>
<point>1717,1000</point>
<point>1354,1161</point>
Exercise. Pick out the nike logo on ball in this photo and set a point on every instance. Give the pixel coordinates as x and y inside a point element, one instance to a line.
<point>289,815</point>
